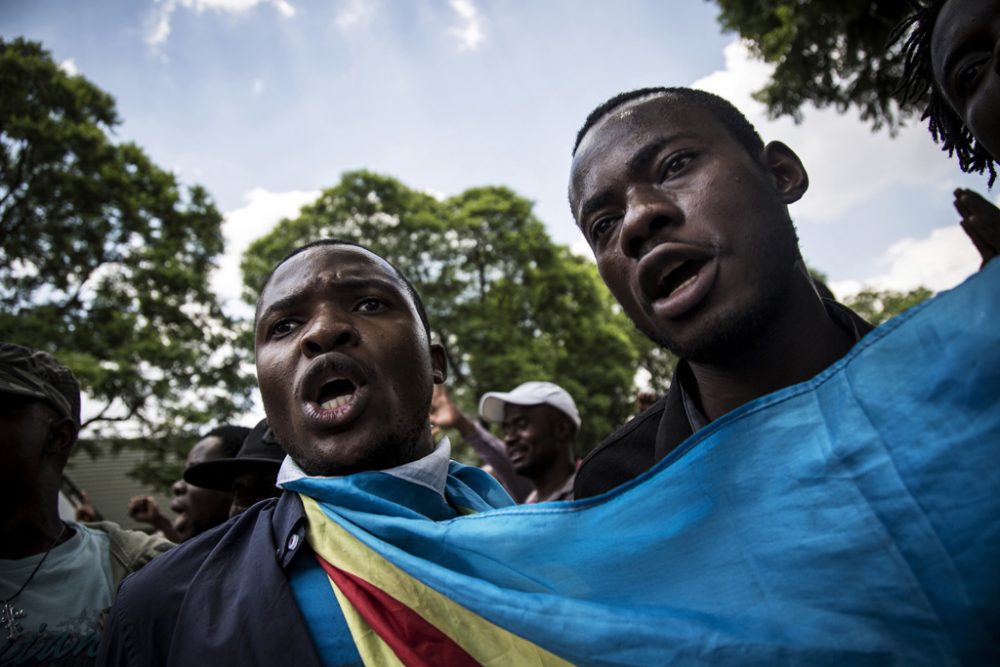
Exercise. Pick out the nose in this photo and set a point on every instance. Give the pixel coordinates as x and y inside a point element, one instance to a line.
<point>179,487</point>
<point>326,332</point>
<point>647,212</point>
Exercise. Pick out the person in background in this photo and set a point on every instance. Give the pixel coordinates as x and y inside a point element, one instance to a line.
<point>539,421</point>
<point>952,62</point>
<point>57,578</point>
<point>249,477</point>
<point>197,509</point>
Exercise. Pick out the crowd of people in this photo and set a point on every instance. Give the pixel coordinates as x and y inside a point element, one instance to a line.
<point>762,510</point>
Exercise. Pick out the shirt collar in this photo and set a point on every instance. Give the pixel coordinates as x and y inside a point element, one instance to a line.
<point>843,316</point>
<point>430,471</point>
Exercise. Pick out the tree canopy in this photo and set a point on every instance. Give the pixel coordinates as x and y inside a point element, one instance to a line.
<point>106,259</point>
<point>509,303</point>
<point>827,52</point>
<point>877,306</point>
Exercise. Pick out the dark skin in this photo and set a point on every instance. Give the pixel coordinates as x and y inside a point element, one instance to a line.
<point>37,445</point>
<point>539,442</point>
<point>250,488</point>
<point>344,365</point>
<point>965,56</point>
<point>691,233</point>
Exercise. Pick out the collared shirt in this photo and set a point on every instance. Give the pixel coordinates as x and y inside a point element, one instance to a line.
<point>430,471</point>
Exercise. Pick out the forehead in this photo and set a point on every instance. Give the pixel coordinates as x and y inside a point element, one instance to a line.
<point>629,128</point>
<point>957,19</point>
<point>322,267</point>
<point>513,411</point>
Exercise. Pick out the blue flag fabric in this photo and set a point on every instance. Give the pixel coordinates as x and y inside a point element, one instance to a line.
<point>851,519</point>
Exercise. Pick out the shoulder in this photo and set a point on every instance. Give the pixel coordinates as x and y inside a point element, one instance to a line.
<point>626,453</point>
<point>131,548</point>
<point>143,618</point>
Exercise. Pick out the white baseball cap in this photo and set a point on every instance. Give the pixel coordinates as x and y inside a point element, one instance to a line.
<point>529,393</point>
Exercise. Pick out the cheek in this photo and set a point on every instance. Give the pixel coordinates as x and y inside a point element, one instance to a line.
<point>983,114</point>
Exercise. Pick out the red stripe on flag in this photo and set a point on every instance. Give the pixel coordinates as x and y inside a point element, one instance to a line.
<point>414,640</point>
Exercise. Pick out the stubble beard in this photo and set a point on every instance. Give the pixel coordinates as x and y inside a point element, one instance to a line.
<point>732,334</point>
<point>399,445</point>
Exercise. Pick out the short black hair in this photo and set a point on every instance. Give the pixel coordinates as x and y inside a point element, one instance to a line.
<point>917,84</point>
<point>730,117</point>
<point>414,296</point>
<point>232,438</point>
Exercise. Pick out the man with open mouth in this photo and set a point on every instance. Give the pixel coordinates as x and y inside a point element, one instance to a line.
<point>686,210</point>
<point>346,370</point>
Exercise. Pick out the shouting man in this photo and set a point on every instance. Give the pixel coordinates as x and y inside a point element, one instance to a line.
<point>346,369</point>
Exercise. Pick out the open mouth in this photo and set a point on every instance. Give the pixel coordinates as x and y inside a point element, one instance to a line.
<point>335,394</point>
<point>680,277</point>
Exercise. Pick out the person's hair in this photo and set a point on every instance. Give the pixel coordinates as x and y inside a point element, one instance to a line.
<point>232,438</point>
<point>730,117</point>
<point>414,296</point>
<point>917,84</point>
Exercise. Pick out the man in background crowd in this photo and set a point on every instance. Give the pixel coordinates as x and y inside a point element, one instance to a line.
<point>198,509</point>
<point>57,578</point>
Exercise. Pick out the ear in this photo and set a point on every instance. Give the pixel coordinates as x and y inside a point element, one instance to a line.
<point>565,428</point>
<point>790,177</point>
<point>62,436</point>
<point>439,363</point>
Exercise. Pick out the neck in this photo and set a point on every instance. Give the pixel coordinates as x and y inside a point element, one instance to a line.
<point>30,530</point>
<point>802,343</point>
<point>553,477</point>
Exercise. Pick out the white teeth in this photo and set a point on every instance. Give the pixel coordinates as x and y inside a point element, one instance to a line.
<point>336,402</point>
<point>683,284</point>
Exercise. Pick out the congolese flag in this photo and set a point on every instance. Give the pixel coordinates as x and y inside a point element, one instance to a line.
<point>851,519</point>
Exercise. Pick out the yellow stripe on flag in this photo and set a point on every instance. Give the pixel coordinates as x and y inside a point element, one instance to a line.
<point>488,643</point>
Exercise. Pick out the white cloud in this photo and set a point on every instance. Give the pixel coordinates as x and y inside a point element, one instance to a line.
<point>847,163</point>
<point>470,32</point>
<point>244,225</point>
<point>257,87</point>
<point>69,67</point>
<point>356,13</point>
<point>938,261</point>
<point>159,21</point>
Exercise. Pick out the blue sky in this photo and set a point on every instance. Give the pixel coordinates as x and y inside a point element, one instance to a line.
<point>265,102</point>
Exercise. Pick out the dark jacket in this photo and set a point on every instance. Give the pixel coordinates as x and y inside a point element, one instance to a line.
<point>220,599</point>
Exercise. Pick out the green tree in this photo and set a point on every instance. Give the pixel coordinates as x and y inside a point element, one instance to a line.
<point>825,52</point>
<point>105,259</point>
<point>877,306</point>
<point>510,304</point>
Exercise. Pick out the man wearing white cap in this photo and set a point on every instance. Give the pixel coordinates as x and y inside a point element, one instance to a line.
<point>540,422</point>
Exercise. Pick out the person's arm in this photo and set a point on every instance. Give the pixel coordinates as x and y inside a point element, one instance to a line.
<point>145,509</point>
<point>445,414</point>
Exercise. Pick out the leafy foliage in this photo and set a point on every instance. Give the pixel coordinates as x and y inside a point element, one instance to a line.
<point>877,306</point>
<point>827,52</point>
<point>105,260</point>
<point>509,304</point>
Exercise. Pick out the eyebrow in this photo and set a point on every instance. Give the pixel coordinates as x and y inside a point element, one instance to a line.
<point>347,284</point>
<point>636,164</point>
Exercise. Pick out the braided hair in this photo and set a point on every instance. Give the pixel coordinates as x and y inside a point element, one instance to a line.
<point>917,84</point>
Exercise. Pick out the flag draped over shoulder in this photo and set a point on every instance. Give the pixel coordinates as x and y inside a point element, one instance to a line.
<point>851,519</point>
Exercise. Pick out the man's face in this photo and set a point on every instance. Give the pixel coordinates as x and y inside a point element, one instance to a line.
<point>532,436</point>
<point>691,233</point>
<point>250,488</point>
<point>24,423</point>
<point>343,362</point>
<point>965,55</point>
<point>199,509</point>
